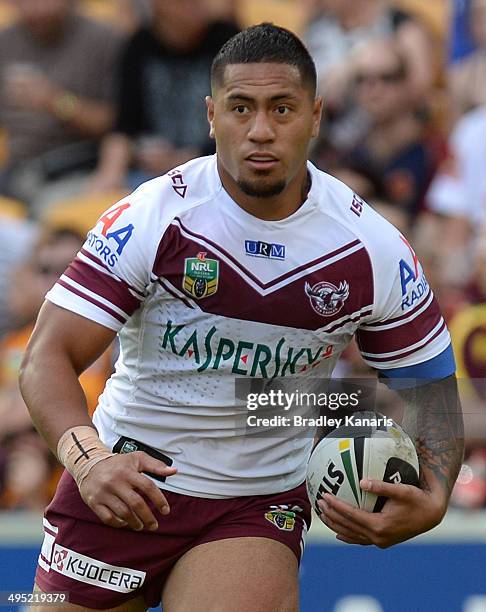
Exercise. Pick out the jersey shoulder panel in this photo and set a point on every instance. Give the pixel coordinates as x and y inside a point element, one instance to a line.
<point>352,212</point>
<point>132,229</point>
<point>344,206</point>
<point>405,326</point>
<point>383,242</point>
<point>111,274</point>
<point>180,189</point>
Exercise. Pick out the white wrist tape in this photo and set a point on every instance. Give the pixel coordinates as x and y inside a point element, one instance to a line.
<point>79,449</point>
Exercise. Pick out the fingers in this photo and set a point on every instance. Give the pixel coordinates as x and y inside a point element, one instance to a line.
<point>146,463</point>
<point>114,490</point>
<point>359,518</point>
<point>341,525</point>
<point>387,489</point>
<point>150,490</point>
<point>350,540</point>
<point>136,512</point>
<point>126,509</point>
<point>107,516</point>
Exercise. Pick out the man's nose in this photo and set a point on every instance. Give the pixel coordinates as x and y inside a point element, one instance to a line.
<point>261,129</point>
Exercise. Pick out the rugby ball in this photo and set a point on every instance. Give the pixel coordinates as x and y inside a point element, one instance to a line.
<point>369,445</point>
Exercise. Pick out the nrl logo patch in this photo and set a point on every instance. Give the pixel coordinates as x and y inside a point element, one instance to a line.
<point>282,517</point>
<point>326,299</point>
<point>200,276</point>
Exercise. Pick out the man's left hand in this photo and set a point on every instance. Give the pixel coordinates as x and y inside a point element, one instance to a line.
<point>408,512</point>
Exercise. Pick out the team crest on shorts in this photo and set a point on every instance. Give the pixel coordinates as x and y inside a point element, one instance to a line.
<point>326,299</point>
<point>282,517</point>
<point>200,276</point>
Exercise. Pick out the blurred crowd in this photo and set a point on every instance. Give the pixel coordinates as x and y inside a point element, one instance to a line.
<point>97,96</point>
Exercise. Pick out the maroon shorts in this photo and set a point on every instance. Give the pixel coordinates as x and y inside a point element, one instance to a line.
<point>102,567</point>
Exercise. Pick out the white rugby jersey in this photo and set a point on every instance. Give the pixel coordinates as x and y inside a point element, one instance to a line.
<point>202,292</point>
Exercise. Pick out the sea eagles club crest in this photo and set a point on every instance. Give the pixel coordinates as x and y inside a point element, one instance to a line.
<point>200,276</point>
<point>326,299</point>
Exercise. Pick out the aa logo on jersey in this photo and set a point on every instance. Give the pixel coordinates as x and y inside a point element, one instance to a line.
<point>413,282</point>
<point>282,517</point>
<point>201,276</point>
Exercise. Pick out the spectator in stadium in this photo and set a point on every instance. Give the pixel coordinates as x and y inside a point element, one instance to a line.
<point>369,185</point>
<point>28,464</point>
<point>457,199</point>
<point>27,461</point>
<point>467,77</point>
<point>396,146</point>
<point>56,98</point>
<point>16,239</point>
<point>335,37</point>
<point>164,78</point>
<point>172,268</point>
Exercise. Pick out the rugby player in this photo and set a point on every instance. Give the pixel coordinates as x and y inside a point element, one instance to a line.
<point>249,263</point>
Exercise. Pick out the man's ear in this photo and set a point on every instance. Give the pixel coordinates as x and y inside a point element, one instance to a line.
<point>210,113</point>
<point>317,114</point>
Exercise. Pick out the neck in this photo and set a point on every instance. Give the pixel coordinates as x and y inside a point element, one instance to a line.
<point>274,208</point>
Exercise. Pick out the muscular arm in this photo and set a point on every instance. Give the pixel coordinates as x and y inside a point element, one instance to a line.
<point>62,346</point>
<point>433,418</point>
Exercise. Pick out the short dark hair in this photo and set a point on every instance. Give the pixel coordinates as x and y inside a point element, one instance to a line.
<point>265,42</point>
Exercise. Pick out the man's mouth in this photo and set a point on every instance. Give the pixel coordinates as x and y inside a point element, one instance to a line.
<point>262,161</point>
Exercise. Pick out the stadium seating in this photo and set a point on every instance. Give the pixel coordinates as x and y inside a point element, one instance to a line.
<point>12,208</point>
<point>80,213</point>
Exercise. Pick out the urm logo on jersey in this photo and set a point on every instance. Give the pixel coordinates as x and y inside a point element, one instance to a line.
<point>104,244</point>
<point>257,248</point>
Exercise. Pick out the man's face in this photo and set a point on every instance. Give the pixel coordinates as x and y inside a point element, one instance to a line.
<point>262,117</point>
<point>34,279</point>
<point>180,11</point>
<point>381,85</point>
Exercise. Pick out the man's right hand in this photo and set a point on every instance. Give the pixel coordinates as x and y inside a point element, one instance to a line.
<point>113,488</point>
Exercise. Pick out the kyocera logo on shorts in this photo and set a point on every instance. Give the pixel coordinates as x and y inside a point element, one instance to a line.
<point>257,248</point>
<point>92,571</point>
<point>70,563</point>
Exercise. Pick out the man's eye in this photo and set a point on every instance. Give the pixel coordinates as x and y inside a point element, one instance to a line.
<point>241,109</point>
<point>283,110</point>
